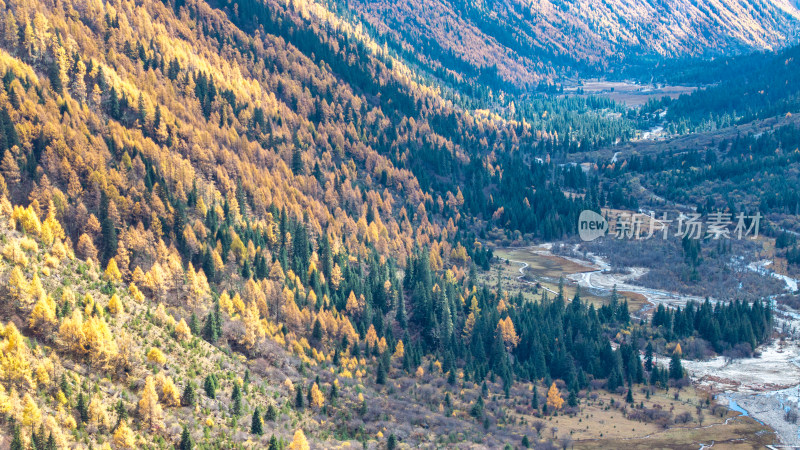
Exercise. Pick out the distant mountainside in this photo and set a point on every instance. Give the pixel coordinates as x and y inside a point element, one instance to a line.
<point>531,41</point>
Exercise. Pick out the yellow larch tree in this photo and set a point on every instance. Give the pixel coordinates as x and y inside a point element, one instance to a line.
<point>351,306</point>
<point>336,276</point>
<point>70,333</point>
<point>155,280</point>
<point>112,273</point>
<point>27,219</point>
<point>124,437</point>
<point>115,305</point>
<point>100,342</point>
<point>372,336</point>
<point>501,306</point>
<point>9,403</point>
<point>156,356</point>
<point>506,329</point>
<point>136,293</point>
<point>138,276</point>
<point>554,400</point>
<point>169,392</point>
<point>399,351</point>
<point>160,315</point>
<point>382,345</point>
<point>238,304</point>
<point>299,441</point>
<point>35,289</point>
<point>15,361</point>
<point>51,228</point>
<point>317,399</point>
<point>97,413</point>
<point>253,330</point>
<point>43,317</point>
<point>31,414</point>
<point>276,272</point>
<point>149,410</point>
<point>292,315</point>
<point>182,331</point>
<point>92,225</point>
<point>17,285</point>
<point>225,303</point>
<point>86,248</point>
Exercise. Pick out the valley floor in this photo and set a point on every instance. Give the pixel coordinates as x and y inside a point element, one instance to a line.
<point>758,391</point>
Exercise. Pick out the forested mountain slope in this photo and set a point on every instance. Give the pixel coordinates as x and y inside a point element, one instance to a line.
<point>523,43</point>
<point>224,221</point>
<point>250,178</point>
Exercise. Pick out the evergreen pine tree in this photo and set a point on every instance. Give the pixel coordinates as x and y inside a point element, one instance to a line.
<point>256,426</point>
<point>122,412</point>
<point>271,414</point>
<point>189,396</point>
<point>16,441</point>
<point>212,328</point>
<point>108,229</point>
<point>36,438</point>
<point>113,104</point>
<point>675,366</point>
<point>654,376</point>
<point>572,399</point>
<point>477,409</point>
<point>648,357</point>
<point>402,319</point>
<point>194,325</point>
<point>186,440</point>
<point>51,443</point>
<point>334,392</point>
<point>381,376</point>
<point>141,110</point>
<point>316,334</point>
<point>236,400</point>
<point>298,397</point>
<point>210,387</point>
<point>337,357</point>
<point>297,162</point>
<point>83,408</point>
<point>65,386</point>
<point>54,73</point>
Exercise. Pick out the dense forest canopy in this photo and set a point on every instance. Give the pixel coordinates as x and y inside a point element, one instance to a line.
<point>222,220</point>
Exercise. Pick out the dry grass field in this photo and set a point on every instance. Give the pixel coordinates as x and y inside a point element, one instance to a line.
<point>606,421</point>
<point>546,271</point>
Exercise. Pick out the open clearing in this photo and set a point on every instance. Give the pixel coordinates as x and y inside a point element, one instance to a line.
<point>631,94</point>
<point>604,423</point>
<point>738,433</point>
<point>538,265</point>
<point>526,269</point>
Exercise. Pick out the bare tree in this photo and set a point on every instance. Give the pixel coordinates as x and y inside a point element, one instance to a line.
<point>538,425</point>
